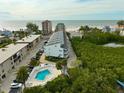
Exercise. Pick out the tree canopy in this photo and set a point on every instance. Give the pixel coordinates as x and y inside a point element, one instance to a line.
<point>120,23</point>
<point>22,74</point>
<point>32,28</point>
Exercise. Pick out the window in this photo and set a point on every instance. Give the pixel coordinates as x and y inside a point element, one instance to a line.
<point>60,50</point>
<point>13,67</point>
<point>3,76</point>
<point>2,71</point>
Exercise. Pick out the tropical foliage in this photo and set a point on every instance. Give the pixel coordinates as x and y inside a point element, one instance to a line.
<point>34,63</point>
<point>98,37</point>
<point>84,30</point>
<point>22,74</point>
<point>21,34</point>
<point>33,28</point>
<point>120,23</point>
<point>5,42</point>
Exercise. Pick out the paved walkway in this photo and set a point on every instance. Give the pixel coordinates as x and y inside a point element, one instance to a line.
<point>12,74</point>
<point>72,56</point>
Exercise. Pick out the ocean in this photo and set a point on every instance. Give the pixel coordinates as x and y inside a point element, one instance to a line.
<point>71,25</point>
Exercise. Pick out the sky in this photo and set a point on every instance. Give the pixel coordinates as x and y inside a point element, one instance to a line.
<point>62,9</point>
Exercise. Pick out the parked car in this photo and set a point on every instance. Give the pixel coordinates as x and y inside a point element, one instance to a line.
<point>41,50</point>
<point>45,42</point>
<point>16,85</point>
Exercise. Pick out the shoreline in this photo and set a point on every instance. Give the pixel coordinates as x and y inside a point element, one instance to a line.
<point>71,25</point>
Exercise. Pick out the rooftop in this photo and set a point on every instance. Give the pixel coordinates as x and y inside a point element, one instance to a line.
<point>2,36</point>
<point>46,21</point>
<point>9,51</point>
<point>28,39</point>
<point>57,37</point>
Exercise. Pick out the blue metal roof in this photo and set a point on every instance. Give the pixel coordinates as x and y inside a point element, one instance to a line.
<point>57,37</point>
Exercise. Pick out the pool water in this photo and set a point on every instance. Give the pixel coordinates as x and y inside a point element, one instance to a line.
<point>42,74</point>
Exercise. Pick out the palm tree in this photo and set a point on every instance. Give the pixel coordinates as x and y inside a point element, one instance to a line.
<point>84,30</point>
<point>58,65</point>
<point>120,23</point>
<point>32,28</point>
<point>22,75</point>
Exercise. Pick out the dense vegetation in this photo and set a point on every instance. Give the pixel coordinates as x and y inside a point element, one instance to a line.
<point>34,63</point>
<point>6,42</point>
<point>100,67</point>
<point>120,23</point>
<point>31,27</point>
<point>21,34</point>
<point>98,38</point>
<point>22,75</point>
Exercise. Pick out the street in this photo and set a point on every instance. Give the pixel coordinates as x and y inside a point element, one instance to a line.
<point>12,74</point>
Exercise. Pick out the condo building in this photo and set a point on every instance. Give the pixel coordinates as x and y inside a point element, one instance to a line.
<point>56,45</point>
<point>31,40</point>
<point>60,27</point>
<point>46,27</point>
<point>10,57</point>
<point>13,54</point>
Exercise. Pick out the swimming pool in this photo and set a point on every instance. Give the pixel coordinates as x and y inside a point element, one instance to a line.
<point>42,74</point>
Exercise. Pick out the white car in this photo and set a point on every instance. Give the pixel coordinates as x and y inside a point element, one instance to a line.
<point>16,85</point>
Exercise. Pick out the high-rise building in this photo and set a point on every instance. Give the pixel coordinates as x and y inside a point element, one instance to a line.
<point>60,27</point>
<point>46,27</point>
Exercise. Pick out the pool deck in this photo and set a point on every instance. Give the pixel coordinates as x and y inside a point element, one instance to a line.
<point>34,82</point>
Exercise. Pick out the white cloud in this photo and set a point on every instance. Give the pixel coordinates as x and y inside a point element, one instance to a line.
<point>52,9</point>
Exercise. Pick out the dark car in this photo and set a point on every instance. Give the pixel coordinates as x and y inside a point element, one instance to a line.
<point>45,42</point>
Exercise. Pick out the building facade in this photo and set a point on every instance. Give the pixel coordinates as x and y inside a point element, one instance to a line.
<point>31,40</point>
<point>46,27</point>
<point>10,57</point>
<point>13,54</point>
<point>56,45</point>
<point>60,27</point>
